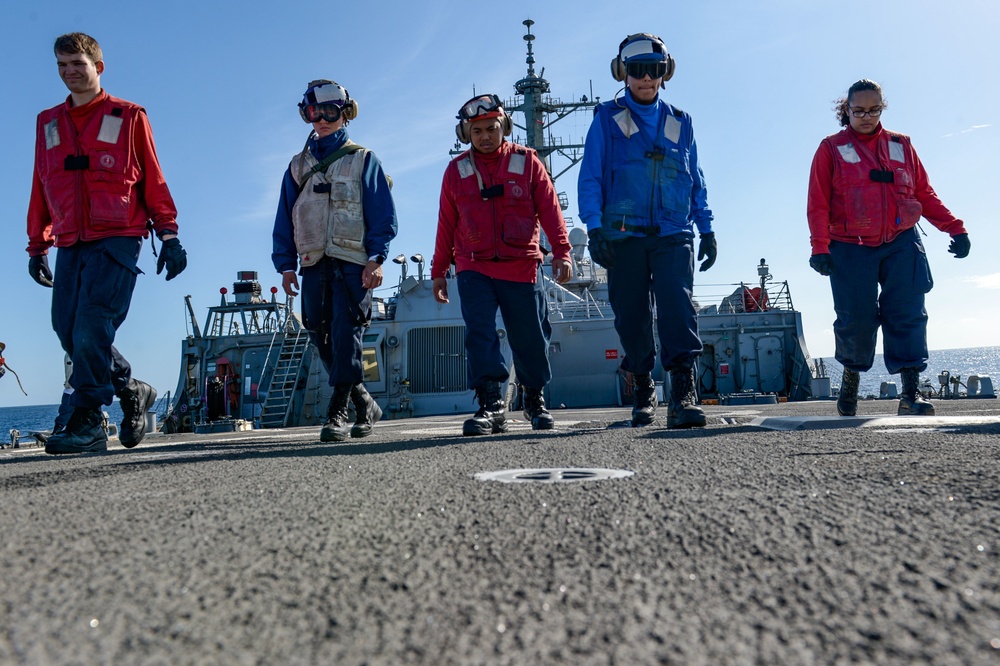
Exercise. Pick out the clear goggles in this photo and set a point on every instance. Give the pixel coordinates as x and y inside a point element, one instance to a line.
<point>638,69</point>
<point>313,113</point>
<point>481,106</point>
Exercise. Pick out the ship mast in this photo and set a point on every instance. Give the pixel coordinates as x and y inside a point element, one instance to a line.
<point>536,105</point>
<point>533,101</point>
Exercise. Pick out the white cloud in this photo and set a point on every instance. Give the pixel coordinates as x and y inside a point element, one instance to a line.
<point>991,281</point>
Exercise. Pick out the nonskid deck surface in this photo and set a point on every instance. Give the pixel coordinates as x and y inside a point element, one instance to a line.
<point>809,415</point>
<point>730,544</point>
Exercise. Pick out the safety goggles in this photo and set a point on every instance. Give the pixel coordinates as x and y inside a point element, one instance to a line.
<point>480,106</point>
<point>315,112</point>
<point>655,70</point>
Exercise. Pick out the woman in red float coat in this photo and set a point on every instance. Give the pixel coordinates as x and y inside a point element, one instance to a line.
<point>867,191</point>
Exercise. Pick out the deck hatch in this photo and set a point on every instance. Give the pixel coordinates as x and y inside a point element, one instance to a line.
<point>553,475</point>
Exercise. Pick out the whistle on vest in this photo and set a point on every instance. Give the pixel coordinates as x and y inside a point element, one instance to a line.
<point>655,155</point>
<point>881,176</point>
<point>492,192</point>
<point>76,162</point>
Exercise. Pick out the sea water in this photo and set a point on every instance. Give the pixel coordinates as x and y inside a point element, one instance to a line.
<point>961,363</point>
<point>36,418</point>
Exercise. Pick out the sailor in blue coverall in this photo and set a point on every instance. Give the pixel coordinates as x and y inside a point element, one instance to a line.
<point>641,193</point>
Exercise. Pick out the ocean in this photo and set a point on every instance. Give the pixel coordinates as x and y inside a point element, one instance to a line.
<point>39,417</point>
<point>982,361</point>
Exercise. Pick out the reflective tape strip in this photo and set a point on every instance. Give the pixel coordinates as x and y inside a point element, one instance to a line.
<point>111,127</point>
<point>848,153</point>
<point>51,134</point>
<point>625,123</point>
<point>896,152</point>
<point>672,129</point>
<point>516,164</point>
<point>465,168</point>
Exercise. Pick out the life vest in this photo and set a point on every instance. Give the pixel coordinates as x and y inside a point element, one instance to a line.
<point>328,215</point>
<point>503,226</point>
<point>648,183</point>
<point>89,180</point>
<point>873,193</point>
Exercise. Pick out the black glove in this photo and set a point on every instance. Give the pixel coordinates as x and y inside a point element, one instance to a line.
<point>173,256</point>
<point>601,249</point>
<point>822,263</point>
<point>960,246</point>
<point>707,248</point>
<point>38,269</point>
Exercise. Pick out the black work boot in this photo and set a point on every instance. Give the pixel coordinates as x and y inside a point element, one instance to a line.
<point>335,429</point>
<point>911,402</point>
<point>534,410</point>
<point>644,408</point>
<point>847,401</point>
<point>136,400</point>
<point>684,411</point>
<point>84,433</point>
<point>366,410</point>
<point>490,418</point>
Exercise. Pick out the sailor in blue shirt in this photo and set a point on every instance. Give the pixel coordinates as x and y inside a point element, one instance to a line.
<point>641,194</point>
<point>335,220</point>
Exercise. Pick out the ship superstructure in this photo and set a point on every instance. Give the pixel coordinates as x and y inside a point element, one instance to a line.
<point>253,364</point>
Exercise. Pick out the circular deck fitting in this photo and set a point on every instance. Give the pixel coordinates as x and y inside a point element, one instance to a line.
<point>553,475</point>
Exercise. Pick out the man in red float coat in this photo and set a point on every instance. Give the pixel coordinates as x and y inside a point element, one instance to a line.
<point>97,185</point>
<point>493,199</point>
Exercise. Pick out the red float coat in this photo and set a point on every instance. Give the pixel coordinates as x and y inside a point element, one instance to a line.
<point>498,236</point>
<point>96,176</point>
<point>846,204</point>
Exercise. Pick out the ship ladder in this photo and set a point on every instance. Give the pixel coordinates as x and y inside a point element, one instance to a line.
<point>284,379</point>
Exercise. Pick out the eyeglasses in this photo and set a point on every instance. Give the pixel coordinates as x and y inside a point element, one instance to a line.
<point>874,113</point>
<point>479,106</point>
<point>637,70</point>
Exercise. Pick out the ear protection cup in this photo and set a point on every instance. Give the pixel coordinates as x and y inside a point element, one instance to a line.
<point>462,129</point>
<point>350,109</point>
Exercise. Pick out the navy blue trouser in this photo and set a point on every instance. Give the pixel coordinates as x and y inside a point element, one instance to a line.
<point>329,317</point>
<point>526,318</point>
<point>648,268</point>
<point>91,295</point>
<point>901,269</point>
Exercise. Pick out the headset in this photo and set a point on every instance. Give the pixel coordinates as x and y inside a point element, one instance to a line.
<point>618,69</point>
<point>349,107</point>
<point>462,128</point>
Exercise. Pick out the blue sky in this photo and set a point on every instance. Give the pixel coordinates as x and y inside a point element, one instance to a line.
<point>220,81</point>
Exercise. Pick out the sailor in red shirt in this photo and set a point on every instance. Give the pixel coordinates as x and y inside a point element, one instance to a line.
<point>493,199</point>
<point>867,191</point>
<point>97,188</point>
